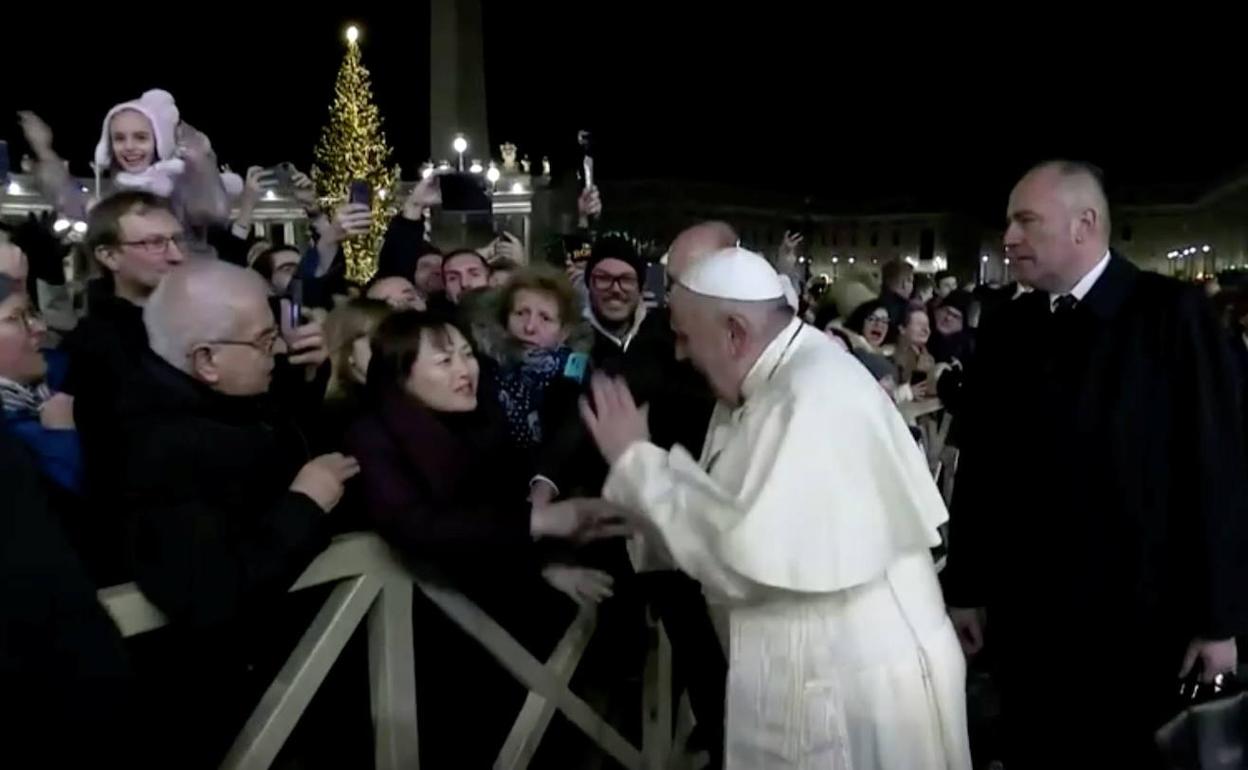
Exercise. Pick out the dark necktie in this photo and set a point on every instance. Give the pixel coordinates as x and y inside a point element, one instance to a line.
<point>1063,305</point>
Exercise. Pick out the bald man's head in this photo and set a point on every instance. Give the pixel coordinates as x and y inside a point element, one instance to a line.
<point>1058,225</point>
<point>212,320</point>
<point>696,242</point>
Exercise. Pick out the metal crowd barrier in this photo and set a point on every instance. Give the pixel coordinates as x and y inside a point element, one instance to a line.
<point>372,582</point>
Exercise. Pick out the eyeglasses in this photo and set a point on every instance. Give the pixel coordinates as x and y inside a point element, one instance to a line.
<point>26,320</point>
<point>156,244</point>
<point>604,282</point>
<point>266,343</point>
<point>878,319</point>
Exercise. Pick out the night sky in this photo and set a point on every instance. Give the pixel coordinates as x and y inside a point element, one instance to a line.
<point>895,107</point>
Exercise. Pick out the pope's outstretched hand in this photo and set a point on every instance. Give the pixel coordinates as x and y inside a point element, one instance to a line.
<point>613,419</point>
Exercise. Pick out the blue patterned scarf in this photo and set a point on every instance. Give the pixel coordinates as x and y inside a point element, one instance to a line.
<point>522,385</point>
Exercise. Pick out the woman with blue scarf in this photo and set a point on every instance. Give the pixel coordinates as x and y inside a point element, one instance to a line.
<point>540,374</point>
<point>42,419</point>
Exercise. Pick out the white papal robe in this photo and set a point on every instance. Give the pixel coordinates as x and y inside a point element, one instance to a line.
<point>809,519</point>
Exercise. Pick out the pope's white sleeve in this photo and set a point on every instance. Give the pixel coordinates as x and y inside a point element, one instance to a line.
<point>687,509</point>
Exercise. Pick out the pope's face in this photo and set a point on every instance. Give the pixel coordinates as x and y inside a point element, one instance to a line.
<point>704,338</point>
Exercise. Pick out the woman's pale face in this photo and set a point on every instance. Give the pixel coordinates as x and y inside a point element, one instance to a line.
<point>132,140</point>
<point>917,329</point>
<point>444,375</point>
<point>535,320</point>
<point>21,335</point>
<point>361,356</point>
<point>875,328</point>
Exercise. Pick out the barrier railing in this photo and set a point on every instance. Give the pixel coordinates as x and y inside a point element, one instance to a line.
<point>371,582</point>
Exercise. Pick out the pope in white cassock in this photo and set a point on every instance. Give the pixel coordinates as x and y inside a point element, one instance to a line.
<point>809,519</point>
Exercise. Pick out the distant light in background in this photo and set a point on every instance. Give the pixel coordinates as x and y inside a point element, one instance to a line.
<point>851,260</point>
<point>269,195</point>
<point>353,34</point>
<point>517,187</point>
<point>1206,248</point>
<point>80,227</point>
<point>381,193</point>
<point>983,258</point>
<point>60,225</point>
<point>476,167</point>
<point>460,144</point>
<point>493,174</point>
<point>14,188</point>
<point>426,171</point>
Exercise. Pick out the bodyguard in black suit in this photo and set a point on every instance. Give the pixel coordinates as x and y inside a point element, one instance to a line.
<point>1099,517</point>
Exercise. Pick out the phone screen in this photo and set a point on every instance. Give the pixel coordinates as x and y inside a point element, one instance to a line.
<point>360,192</point>
<point>295,294</point>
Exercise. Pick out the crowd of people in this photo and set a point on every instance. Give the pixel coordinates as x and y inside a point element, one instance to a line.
<point>222,405</point>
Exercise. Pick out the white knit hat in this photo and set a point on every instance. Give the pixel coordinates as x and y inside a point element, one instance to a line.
<point>159,108</point>
<point>161,111</point>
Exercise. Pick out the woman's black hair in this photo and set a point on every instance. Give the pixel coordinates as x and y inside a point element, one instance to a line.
<point>858,319</point>
<point>397,344</point>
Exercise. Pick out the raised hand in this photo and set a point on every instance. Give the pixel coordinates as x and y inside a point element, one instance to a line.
<point>613,419</point>
<point>425,195</point>
<point>305,190</point>
<point>352,219</point>
<point>508,246</point>
<point>588,205</point>
<point>38,134</point>
<point>306,345</point>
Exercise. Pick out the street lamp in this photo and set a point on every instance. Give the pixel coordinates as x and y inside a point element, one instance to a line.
<point>353,34</point>
<point>460,145</point>
<point>517,188</point>
<point>1206,248</point>
<point>493,174</point>
<point>476,167</point>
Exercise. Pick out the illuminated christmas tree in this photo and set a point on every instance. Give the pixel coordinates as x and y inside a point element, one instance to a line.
<point>353,147</point>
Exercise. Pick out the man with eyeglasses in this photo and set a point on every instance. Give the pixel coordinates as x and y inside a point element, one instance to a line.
<point>135,239</point>
<point>613,274</point>
<point>228,507</point>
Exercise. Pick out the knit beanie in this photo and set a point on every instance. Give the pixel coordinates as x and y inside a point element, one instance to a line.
<point>616,247</point>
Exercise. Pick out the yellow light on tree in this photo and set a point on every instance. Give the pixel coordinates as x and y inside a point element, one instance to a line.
<point>353,147</point>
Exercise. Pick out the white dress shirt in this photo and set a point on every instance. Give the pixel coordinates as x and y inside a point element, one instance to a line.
<point>1085,284</point>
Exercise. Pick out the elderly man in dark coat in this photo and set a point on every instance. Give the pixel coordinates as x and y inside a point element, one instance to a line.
<point>1099,515</point>
<point>228,507</point>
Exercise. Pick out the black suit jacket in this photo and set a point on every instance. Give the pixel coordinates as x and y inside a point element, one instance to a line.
<point>1102,477</point>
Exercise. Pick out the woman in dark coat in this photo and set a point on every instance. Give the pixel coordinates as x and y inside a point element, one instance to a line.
<point>444,486</point>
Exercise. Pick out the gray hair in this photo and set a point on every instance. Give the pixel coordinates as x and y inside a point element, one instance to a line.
<point>197,302</point>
